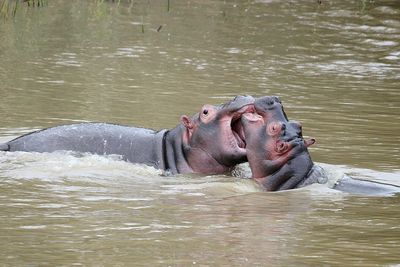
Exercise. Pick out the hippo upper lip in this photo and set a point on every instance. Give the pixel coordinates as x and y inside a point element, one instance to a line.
<point>245,109</point>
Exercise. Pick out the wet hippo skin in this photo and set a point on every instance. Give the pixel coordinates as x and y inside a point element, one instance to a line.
<point>208,142</point>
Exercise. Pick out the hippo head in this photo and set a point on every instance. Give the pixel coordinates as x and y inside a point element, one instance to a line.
<point>276,151</point>
<point>213,139</point>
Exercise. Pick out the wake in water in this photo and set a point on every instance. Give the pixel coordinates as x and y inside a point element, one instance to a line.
<point>112,171</point>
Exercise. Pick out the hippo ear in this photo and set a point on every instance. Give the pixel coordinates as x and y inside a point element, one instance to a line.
<point>309,142</point>
<point>187,122</point>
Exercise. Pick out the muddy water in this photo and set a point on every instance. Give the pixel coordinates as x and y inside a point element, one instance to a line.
<point>335,65</point>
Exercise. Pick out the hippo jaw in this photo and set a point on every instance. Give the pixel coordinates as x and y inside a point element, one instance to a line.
<point>284,168</point>
<point>289,175</point>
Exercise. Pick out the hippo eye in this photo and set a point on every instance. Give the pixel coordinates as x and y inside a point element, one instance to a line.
<point>205,112</point>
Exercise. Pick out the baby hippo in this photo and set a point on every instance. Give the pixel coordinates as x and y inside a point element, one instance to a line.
<point>276,150</point>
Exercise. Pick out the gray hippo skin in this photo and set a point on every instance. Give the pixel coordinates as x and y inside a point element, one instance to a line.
<point>278,155</point>
<point>209,142</point>
<point>350,185</point>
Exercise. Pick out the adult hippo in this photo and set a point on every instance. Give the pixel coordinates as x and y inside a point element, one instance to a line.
<point>208,143</point>
<point>279,158</point>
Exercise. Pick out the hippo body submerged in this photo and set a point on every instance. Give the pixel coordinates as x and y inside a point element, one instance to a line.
<point>348,184</point>
<point>137,145</point>
<point>208,142</point>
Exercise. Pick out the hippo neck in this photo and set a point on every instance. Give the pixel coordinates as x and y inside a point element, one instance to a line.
<point>173,151</point>
<point>180,157</point>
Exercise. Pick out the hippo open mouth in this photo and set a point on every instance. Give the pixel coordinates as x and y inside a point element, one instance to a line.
<point>238,133</point>
<point>237,126</point>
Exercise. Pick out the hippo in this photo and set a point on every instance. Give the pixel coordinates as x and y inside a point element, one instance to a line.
<point>210,142</point>
<point>276,151</point>
<point>278,155</point>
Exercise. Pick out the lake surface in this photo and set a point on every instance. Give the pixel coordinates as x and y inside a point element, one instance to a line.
<point>335,65</point>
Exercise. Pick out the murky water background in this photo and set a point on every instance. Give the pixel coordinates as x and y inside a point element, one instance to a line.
<point>335,65</point>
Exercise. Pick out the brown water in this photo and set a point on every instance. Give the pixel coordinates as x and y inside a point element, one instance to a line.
<point>335,65</point>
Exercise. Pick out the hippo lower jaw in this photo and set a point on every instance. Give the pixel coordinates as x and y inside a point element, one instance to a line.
<point>290,175</point>
<point>286,164</point>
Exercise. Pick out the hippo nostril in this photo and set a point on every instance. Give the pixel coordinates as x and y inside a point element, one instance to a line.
<point>283,127</point>
<point>281,147</point>
<point>274,128</point>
